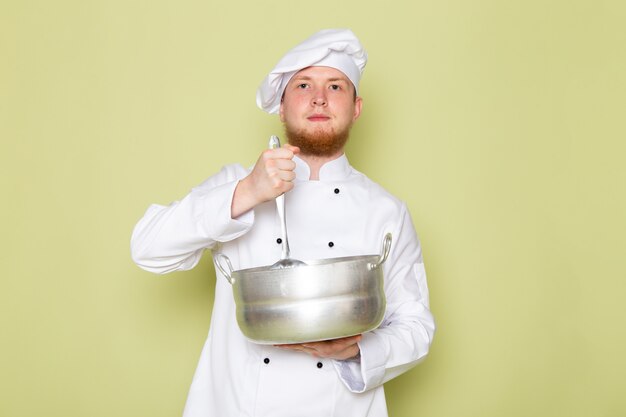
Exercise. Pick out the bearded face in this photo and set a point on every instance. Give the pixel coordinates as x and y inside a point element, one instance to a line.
<point>318,109</point>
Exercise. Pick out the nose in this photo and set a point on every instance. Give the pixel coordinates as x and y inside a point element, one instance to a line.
<point>319,98</point>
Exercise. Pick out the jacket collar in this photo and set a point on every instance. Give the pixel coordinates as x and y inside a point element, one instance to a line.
<point>336,170</point>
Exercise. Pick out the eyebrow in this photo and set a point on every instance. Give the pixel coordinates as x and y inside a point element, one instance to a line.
<point>307,78</point>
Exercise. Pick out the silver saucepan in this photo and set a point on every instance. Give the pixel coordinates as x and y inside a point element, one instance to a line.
<point>320,300</point>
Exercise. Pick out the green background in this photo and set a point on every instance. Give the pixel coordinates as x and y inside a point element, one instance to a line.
<point>500,123</point>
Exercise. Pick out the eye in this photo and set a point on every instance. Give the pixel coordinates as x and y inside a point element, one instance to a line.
<point>302,85</point>
<point>335,87</point>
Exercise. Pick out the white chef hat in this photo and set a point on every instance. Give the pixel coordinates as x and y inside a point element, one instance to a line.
<point>336,48</point>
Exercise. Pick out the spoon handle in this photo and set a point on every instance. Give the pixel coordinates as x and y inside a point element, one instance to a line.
<point>280,207</point>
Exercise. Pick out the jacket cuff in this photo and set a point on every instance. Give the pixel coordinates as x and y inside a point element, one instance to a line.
<point>369,371</point>
<point>219,223</point>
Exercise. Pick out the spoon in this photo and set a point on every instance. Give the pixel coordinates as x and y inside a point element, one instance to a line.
<point>285,261</point>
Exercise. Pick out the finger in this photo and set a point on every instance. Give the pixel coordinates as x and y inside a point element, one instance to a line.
<point>350,340</point>
<point>336,348</point>
<point>292,346</point>
<point>282,164</point>
<point>285,175</point>
<point>281,181</point>
<point>292,148</point>
<point>274,171</point>
<point>344,341</point>
<point>334,352</point>
<point>298,348</point>
<point>278,153</point>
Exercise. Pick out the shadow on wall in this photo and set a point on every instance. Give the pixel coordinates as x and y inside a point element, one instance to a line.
<point>186,293</point>
<point>411,388</point>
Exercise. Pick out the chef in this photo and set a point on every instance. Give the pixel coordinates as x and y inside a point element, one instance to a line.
<point>334,210</point>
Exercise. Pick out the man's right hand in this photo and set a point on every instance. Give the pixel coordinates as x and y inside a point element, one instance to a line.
<point>272,175</point>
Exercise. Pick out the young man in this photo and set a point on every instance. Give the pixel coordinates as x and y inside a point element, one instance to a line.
<point>334,211</point>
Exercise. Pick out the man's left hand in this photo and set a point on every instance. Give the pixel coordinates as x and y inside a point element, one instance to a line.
<point>341,349</point>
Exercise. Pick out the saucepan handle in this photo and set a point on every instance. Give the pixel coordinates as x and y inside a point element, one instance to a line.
<point>223,264</point>
<point>384,252</point>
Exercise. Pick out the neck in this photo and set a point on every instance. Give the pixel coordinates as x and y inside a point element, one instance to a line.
<point>315,163</point>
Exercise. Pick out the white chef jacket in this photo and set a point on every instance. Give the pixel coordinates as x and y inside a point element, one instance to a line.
<point>342,214</point>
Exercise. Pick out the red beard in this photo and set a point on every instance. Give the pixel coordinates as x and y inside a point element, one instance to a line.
<point>319,142</point>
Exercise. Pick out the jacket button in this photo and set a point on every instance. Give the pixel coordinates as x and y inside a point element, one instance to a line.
<point>331,244</point>
<point>319,365</point>
<point>336,190</point>
<point>279,241</point>
<point>266,361</point>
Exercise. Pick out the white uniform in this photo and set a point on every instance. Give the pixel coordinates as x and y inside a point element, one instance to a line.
<point>342,214</point>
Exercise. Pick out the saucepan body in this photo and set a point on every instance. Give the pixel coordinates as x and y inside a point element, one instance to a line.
<point>324,299</point>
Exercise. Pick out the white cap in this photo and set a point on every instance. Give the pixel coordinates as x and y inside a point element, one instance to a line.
<point>335,48</point>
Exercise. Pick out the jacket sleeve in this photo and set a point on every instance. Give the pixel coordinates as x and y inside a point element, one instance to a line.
<point>172,238</point>
<point>405,335</point>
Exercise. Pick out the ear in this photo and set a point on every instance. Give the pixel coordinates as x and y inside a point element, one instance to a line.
<point>281,112</point>
<point>358,104</point>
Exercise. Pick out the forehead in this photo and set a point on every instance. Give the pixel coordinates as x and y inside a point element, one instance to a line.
<point>321,73</point>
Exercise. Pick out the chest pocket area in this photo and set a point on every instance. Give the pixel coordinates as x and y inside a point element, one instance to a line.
<point>295,384</point>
